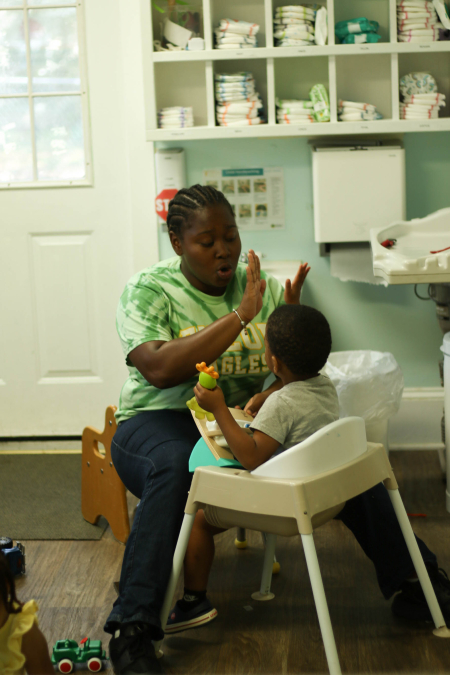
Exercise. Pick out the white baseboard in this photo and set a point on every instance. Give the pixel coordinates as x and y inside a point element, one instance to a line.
<point>417,425</point>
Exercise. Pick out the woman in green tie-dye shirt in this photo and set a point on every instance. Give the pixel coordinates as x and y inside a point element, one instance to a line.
<point>202,305</point>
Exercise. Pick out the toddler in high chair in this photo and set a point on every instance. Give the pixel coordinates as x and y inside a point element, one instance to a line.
<point>23,647</point>
<point>298,343</point>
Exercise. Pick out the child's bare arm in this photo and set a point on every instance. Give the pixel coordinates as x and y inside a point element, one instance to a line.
<point>35,650</point>
<point>251,452</point>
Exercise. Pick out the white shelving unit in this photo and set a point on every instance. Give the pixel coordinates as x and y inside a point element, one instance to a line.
<point>366,72</point>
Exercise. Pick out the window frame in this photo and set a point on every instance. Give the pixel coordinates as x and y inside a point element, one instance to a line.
<point>83,93</point>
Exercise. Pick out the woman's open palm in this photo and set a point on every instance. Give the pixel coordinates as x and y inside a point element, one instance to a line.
<point>252,299</point>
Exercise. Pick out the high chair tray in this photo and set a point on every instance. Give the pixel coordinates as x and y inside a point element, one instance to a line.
<point>216,449</point>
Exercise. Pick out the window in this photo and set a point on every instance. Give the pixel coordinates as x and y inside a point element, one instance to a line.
<point>43,101</point>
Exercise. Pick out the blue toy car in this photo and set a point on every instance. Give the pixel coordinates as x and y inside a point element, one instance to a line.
<point>15,555</point>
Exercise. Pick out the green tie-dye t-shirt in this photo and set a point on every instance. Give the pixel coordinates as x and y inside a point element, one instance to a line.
<point>159,303</point>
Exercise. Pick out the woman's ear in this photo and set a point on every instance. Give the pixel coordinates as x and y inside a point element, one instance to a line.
<point>175,240</point>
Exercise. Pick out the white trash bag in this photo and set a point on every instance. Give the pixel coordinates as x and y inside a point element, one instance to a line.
<point>369,384</point>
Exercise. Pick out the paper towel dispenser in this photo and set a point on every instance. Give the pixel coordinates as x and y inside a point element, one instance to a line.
<point>356,188</point>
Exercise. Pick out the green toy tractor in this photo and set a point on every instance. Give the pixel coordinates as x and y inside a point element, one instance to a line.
<point>67,652</point>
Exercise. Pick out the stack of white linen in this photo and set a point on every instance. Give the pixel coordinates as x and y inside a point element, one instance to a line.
<point>293,25</point>
<point>233,34</point>
<point>354,111</point>
<point>295,111</point>
<point>417,21</point>
<point>420,99</point>
<point>175,118</point>
<point>421,106</point>
<point>237,101</point>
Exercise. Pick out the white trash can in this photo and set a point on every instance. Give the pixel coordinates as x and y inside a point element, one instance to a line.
<point>445,349</point>
<point>369,384</point>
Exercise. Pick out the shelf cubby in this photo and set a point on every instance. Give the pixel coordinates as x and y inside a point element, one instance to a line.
<point>182,85</point>
<point>258,67</point>
<point>252,11</point>
<point>295,77</point>
<point>366,80</point>
<point>375,10</point>
<point>176,15</point>
<point>281,3</point>
<point>437,65</point>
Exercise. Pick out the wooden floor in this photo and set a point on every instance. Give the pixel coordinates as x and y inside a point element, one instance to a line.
<point>73,585</point>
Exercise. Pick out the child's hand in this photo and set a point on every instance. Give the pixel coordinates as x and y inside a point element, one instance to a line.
<point>293,289</point>
<point>255,403</point>
<point>209,399</point>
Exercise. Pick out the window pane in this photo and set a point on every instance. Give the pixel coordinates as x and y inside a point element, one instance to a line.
<point>11,3</point>
<point>59,137</point>
<point>50,2</point>
<point>16,160</point>
<point>54,50</point>
<point>13,53</point>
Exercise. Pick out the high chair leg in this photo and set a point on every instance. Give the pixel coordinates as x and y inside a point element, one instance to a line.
<point>276,564</point>
<point>321,604</point>
<point>266,579</point>
<point>419,564</point>
<point>178,557</point>
<point>241,539</point>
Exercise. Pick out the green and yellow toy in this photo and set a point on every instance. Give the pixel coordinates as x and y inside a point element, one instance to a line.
<point>207,379</point>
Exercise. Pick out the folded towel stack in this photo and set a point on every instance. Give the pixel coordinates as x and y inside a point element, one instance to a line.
<point>417,21</point>
<point>357,31</point>
<point>232,34</point>
<point>420,99</point>
<point>352,111</point>
<point>294,25</point>
<point>294,111</point>
<point>237,102</point>
<point>175,118</point>
<point>421,106</point>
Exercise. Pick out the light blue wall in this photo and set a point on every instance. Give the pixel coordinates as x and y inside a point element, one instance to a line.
<point>361,316</point>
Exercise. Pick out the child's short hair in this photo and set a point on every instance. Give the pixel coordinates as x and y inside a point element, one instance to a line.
<point>300,337</point>
<point>7,587</point>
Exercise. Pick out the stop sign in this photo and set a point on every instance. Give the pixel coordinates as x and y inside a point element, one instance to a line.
<point>162,202</point>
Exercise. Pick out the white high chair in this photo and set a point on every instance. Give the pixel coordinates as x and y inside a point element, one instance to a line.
<point>294,493</point>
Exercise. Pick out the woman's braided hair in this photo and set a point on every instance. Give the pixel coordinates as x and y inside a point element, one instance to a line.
<point>191,199</point>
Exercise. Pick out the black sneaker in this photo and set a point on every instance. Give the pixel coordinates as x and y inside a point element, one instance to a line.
<point>132,653</point>
<point>410,603</point>
<point>180,620</point>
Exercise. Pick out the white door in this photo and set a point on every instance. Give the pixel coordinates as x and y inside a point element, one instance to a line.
<point>66,253</point>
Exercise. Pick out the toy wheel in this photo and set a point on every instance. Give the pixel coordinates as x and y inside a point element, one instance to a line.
<point>5,542</point>
<point>94,665</point>
<point>65,666</point>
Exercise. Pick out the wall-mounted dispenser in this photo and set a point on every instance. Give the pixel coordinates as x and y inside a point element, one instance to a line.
<point>356,187</point>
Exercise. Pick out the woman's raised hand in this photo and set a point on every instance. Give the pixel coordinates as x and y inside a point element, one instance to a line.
<point>292,290</point>
<point>252,299</point>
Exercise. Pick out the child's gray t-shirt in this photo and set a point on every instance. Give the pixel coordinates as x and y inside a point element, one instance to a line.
<point>298,410</point>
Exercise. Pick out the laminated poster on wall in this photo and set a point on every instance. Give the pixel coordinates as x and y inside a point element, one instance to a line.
<point>256,195</point>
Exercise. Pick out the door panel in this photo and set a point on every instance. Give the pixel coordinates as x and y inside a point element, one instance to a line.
<point>66,253</point>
